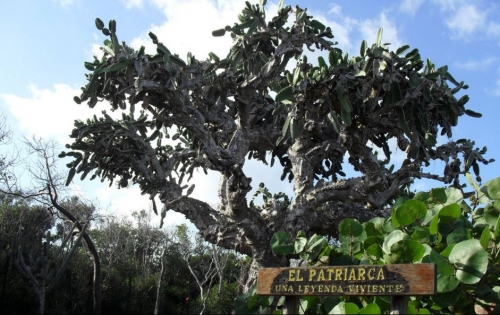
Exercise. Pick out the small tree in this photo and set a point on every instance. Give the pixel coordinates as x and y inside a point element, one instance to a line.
<point>182,115</point>
<point>39,269</point>
<point>45,189</point>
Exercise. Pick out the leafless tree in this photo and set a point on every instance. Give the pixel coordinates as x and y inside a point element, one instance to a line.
<point>45,187</point>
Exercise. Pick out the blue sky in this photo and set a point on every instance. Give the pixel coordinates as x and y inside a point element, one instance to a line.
<point>47,41</point>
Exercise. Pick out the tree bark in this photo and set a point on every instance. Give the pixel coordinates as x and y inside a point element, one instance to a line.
<point>159,288</point>
<point>93,252</point>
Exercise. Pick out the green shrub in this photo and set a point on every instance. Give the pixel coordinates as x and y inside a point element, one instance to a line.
<point>461,237</point>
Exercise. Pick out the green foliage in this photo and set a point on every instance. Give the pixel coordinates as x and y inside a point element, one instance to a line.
<point>434,227</point>
<point>221,302</point>
<point>130,261</point>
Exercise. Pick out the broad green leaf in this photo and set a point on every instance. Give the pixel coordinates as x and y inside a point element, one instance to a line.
<point>394,237</point>
<point>399,202</point>
<point>444,267</point>
<point>300,244</point>
<point>450,213</point>
<point>329,303</point>
<point>493,188</point>
<point>439,195</point>
<point>410,212</point>
<point>350,247</point>
<point>388,226</point>
<point>471,261</point>
<point>408,250</point>
<point>433,228</point>
<point>496,230</point>
<point>446,252</point>
<point>350,228</point>
<point>446,299</point>
<point>371,229</point>
<point>415,308</point>
<point>378,224</point>
<point>422,196</point>
<point>306,302</point>
<point>420,233</point>
<point>373,240</point>
<point>427,252</point>
<point>375,250</point>
<point>324,255</point>
<point>458,236</point>
<point>315,246</point>
<point>245,303</point>
<point>485,237</point>
<point>454,196</point>
<point>281,243</point>
<point>446,283</point>
<point>371,308</point>
<point>345,308</point>
<point>491,214</point>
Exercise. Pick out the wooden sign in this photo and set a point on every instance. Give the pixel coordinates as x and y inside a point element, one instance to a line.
<point>402,279</point>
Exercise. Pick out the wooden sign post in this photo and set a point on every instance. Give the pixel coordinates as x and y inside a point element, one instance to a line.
<point>398,281</point>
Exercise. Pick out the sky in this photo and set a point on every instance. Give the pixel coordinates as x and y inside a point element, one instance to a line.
<point>47,41</point>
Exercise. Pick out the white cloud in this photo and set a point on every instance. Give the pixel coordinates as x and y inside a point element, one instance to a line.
<point>129,4</point>
<point>466,20</point>
<point>335,9</point>
<point>477,65</point>
<point>447,5</point>
<point>496,89</point>
<point>95,50</point>
<point>182,35</point>
<point>64,2</point>
<point>47,113</point>
<point>369,29</point>
<point>493,29</point>
<point>411,6</point>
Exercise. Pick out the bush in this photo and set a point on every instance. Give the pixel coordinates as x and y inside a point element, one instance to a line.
<point>461,237</point>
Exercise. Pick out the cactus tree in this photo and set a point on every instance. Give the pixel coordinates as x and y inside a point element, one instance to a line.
<point>265,100</point>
